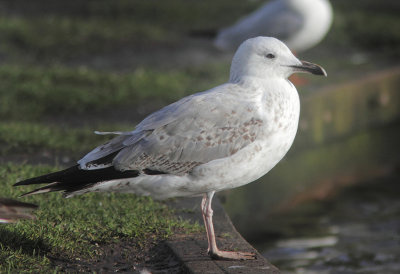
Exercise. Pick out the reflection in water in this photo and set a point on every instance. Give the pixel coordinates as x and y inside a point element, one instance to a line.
<point>308,242</point>
<point>357,232</point>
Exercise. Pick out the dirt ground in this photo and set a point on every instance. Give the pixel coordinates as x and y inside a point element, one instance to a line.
<point>125,256</point>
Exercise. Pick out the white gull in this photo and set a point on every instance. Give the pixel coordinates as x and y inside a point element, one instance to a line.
<point>219,139</point>
<point>300,24</point>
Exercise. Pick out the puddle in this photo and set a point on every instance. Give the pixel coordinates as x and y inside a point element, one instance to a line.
<point>356,232</point>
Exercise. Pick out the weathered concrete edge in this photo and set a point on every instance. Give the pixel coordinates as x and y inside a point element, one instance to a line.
<point>191,249</point>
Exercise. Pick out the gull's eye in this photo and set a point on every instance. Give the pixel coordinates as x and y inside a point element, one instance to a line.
<point>270,56</point>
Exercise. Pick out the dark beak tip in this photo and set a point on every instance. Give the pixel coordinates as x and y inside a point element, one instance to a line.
<point>323,72</point>
<point>312,68</point>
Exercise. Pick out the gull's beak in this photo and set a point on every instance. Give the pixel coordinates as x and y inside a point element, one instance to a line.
<point>309,68</point>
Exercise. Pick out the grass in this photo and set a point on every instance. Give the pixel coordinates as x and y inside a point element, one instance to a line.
<point>81,28</point>
<point>84,28</point>
<point>42,91</point>
<point>46,91</point>
<point>75,228</point>
<point>17,137</point>
<point>44,37</point>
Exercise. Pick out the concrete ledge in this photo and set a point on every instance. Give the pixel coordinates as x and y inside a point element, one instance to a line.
<point>191,249</point>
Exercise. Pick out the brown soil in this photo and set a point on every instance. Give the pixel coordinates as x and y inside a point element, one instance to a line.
<point>125,256</point>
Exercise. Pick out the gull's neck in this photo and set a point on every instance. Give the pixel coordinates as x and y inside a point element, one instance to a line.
<point>277,87</point>
<point>258,82</point>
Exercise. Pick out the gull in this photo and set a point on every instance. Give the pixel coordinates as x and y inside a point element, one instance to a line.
<point>300,24</point>
<point>11,210</point>
<point>210,141</point>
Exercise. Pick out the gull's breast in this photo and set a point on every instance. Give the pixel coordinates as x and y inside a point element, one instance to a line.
<point>280,120</point>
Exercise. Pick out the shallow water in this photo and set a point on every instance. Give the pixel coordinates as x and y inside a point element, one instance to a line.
<point>357,231</point>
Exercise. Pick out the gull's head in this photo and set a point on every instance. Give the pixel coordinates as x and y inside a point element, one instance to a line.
<point>267,57</point>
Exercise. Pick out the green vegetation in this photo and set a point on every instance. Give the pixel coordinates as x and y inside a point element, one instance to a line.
<point>42,91</point>
<point>17,137</point>
<point>76,227</point>
<point>71,37</point>
<point>368,24</point>
<point>84,28</point>
<point>35,92</point>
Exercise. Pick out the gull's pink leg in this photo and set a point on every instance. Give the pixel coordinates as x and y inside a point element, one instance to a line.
<point>213,250</point>
<point>203,212</point>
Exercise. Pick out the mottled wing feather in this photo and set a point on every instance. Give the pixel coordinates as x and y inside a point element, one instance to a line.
<point>208,127</point>
<point>195,130</point>
<point>100,156</point>
<point>93,160</point>
<point>178,154</point>
<point>169,113</point>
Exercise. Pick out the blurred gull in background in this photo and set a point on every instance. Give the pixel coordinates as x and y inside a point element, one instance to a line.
<point>300,24</point>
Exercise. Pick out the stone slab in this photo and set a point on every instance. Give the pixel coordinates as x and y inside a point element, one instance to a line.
<point>191,249</point>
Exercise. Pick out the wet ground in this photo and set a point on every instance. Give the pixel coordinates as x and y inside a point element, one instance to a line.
<point>358,231</point>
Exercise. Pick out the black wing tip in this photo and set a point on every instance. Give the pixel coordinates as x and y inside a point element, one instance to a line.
<point>30,181</point>
<point>21,183</point>
<point>45,189</point>
<point>74,179</point>
<point>49,177</point>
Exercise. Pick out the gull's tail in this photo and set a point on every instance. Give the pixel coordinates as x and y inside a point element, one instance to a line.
<point>74,178</point>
